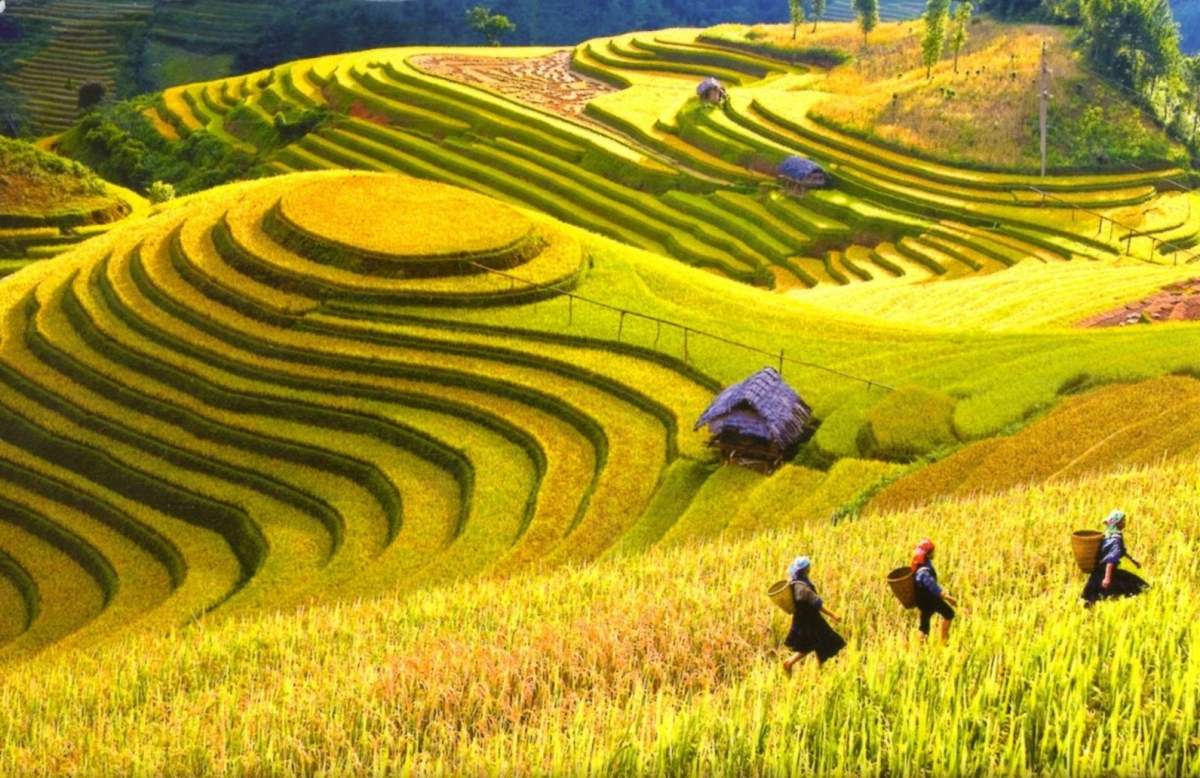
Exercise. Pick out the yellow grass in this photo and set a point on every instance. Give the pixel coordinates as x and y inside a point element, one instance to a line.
<point>401,217</point>
<point>665,664</point>
<point>981,114</point>
<point>1145,423</point>
<point>1032,295</point>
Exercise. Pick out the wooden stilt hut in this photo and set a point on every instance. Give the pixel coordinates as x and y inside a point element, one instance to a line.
<point>711,91</point>
<point>758,423</point>
<point>798,175</point>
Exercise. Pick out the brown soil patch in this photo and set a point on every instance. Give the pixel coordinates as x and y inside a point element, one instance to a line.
<point>1177,302</point>
<point>545,82</point>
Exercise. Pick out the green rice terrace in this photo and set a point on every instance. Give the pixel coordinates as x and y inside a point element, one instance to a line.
<point>83,45</point>
<point>251,398</point>
<point>614,141</point>
<point>119,45</point>
<point>287,459</point>
<point>49,204</point>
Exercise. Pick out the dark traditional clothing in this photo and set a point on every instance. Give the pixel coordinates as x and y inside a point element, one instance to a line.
<point>929,596</point>
<point>1123,584</point>
<point>810,631</point>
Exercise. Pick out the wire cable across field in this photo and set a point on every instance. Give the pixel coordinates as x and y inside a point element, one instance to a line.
<point>780,357</point>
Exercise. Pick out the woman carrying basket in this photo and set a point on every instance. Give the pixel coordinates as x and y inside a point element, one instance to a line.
<point>931,598</point>
<point>1108,580</point>
<point>810,632</point>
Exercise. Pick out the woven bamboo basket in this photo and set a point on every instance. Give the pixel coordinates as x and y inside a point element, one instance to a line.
<point>1085,544</point>
<point>781,594</point>
<point>904,586</point>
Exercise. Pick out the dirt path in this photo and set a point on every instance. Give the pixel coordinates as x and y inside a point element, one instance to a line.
<point>545,82</point>
<point>1176,302</point>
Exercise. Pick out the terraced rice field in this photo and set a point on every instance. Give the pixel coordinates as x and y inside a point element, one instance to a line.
<point>256,397</point>
<point>305,452</point>
<point>84,47</point>
<point>213,25</point>
<point>650,166</point>
<point>30,236</point>
<point>171,392</point>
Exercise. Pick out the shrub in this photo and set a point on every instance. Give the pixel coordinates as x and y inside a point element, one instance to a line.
<point>908,423</point>
<point>91,95</point>
<point>160,192</point>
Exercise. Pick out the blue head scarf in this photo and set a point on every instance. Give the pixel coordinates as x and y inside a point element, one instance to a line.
<point>1112,523</point>
<point>799,568</point>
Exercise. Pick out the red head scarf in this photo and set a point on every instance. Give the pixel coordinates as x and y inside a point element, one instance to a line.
<point>921,553</point>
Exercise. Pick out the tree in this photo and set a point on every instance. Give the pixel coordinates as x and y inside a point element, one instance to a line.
<point>934,41</point>
<point>91,95</point>
<point>1135,42</point>
<point>867,12</point>
<point>160,192</point>
<point>490,25</point>
<point>1191,75</point>
<point>799,11</point>
<point>818,12</point>
<point>962,18</point>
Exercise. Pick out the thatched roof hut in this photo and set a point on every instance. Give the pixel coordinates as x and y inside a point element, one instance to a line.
<point>710,90</point>
<point>801,173</point>
<point>759,422</point>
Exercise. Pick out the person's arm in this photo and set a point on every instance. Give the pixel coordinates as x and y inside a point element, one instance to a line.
<point>1129,556</point>
<point>829,613</point>
<point>953,601</point>
<point>1108,574</point>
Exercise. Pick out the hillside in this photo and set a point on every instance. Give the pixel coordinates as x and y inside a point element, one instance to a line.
<point>65,44</point>
<point>375,450</point>
<point>659,665</point>
<point>55,46</point>
<point>613,140</point>
<point>980,111</point>
<point>48,204</point>
<point>257,397</point>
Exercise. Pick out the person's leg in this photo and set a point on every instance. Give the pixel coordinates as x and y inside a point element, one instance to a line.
<point>923,627</point>
<point>791,661</point>
<point>947,614</point>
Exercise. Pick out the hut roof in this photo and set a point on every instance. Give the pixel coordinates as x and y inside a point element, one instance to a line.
<point>707,84</point>
<point>763,406</point>
<point>798,168</point>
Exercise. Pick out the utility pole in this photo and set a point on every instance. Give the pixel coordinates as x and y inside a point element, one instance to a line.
<point>1044,100</point>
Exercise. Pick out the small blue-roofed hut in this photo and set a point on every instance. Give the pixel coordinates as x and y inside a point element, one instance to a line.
<point>759,422</point>
<point>798,173</point>
<point>711,91</point>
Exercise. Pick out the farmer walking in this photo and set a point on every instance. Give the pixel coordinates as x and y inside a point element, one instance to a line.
<point>810,631</point>
<point>931,598</point>
<point>1108,580</point>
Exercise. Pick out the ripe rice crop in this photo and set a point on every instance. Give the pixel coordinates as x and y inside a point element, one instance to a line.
<point>1143,423</point>
<point>665,664</point>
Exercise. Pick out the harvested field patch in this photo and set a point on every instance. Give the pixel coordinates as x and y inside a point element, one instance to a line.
<point>1176,302</point>
<point>548,82</point>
